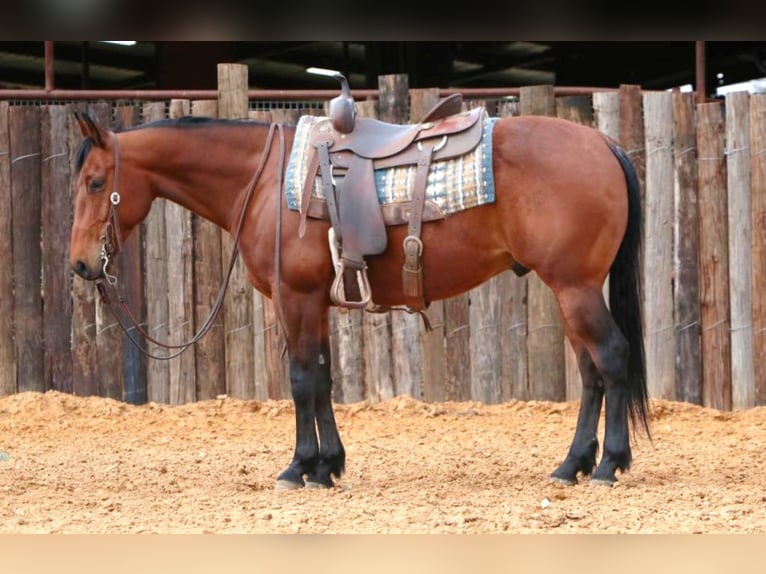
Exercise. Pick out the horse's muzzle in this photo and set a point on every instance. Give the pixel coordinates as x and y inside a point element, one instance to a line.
<point>86,272</point>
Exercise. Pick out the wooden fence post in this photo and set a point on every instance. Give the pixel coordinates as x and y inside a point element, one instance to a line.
<point>376,328</point>
<point>156,284</point>
<point>180,268</point>
<point>405,328</point>
<point>433,388</point>
<point>210,354</point>
<point>686,252</point>
<point>485,316</point>
<point>740,249</point>
<point>631,132</point>
<point>758,222</point>
<point>7,348</point>
<point>714,258</point>
<point>545,338</point>
<point>238,304</point>
<point>24,122</point>
<point>56,225</point>
<point>657,260</point>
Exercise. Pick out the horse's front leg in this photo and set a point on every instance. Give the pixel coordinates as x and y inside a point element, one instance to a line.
<point>319,453</point>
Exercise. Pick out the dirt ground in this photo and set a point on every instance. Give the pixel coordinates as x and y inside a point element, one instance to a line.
<point>91,465</point>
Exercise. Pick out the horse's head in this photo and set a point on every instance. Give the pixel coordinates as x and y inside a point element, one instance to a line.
<point>110,200</point>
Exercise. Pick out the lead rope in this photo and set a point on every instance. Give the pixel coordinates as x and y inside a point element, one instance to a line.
<point>112,228</point>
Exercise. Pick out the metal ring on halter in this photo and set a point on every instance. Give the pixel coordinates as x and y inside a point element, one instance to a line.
<point>115,198</point>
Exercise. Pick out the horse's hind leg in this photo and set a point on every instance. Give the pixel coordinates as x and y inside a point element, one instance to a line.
<point>587,316</point>
<point>316,457</point>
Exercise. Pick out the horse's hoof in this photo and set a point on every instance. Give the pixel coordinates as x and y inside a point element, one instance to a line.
<point>564,481</point>
<point>316,485</point>
<point>603,481</point>
<point>288,485</point>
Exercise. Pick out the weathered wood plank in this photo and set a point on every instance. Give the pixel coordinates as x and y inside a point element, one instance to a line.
<point>659,330</point>
<point>686,250</point>
<point>210,352</point>
<point>545,330</point>
<point>180,269</point>
<point>56,224</point>
<point>238,303</point>
<point>740,249</point>
<point>758,222</point>
<point>457,348</point>
<point>346,332</point>
<point>24,124</point>
<point>376,329</point>
<point>485,341</point>
<point>393,104</point>
<point>156,284</point>
<point>485,330</point>
<point>7,347</point>
<point>432,350</point>
<point>714,258</point>
<point>631,135</point>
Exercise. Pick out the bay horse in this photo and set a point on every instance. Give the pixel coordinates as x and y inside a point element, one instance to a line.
<point>567,206</point>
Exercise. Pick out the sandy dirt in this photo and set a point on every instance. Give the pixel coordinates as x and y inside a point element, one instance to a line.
<point>91,465</point>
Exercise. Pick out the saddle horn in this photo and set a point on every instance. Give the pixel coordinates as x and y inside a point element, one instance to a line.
<point>343,108</point>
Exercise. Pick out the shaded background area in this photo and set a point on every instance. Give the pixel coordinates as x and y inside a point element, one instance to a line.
<point>473,64</point>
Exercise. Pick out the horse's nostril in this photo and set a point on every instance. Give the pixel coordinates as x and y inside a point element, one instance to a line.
<point>81,269</point>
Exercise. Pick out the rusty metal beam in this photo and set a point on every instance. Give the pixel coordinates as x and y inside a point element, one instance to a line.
<point>289,95</point>
<point>49,69</point>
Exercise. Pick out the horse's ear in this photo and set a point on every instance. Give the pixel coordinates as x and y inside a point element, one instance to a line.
<point>90,129</point>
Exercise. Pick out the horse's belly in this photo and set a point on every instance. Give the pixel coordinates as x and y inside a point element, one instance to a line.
<point>453,259</point>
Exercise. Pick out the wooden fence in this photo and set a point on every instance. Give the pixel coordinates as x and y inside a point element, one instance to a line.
<point>703,174</point>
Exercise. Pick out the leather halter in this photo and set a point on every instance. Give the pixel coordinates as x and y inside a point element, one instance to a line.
<point>112,244</point>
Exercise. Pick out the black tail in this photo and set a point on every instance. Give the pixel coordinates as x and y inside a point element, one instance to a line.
<point>625,295</point>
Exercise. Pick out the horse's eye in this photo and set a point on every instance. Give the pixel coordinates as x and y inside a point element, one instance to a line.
<point>96,185</point>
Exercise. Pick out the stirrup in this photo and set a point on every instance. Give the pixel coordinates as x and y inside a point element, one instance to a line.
<point>337,291</point>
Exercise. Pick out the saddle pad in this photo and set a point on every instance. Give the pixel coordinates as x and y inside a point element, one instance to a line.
<point>453,184</point>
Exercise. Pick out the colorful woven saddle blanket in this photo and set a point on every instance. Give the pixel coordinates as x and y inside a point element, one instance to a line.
<point>453,184</point>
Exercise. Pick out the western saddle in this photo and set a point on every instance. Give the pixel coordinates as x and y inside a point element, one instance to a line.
<point>345,152</point>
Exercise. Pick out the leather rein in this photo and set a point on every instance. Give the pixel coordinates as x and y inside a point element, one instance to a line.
<point>112,244</point>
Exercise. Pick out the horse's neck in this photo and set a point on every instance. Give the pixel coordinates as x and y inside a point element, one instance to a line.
<point>205,169</point>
